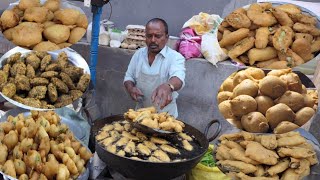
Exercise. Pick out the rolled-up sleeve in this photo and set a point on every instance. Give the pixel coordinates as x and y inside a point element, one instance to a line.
<point>178,69</point>
<point>130,73</point>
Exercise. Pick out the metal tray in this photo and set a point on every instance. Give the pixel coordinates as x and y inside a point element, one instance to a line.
<point>73,57</point>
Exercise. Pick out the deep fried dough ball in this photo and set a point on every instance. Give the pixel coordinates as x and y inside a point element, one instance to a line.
<point>83,82</point>
<point>33,60</point>
<point>45,62</point>
<point>9,90</point>
<point>22,82</point>
<point>74,72</point>
<point>75,94</point>
<point>30,71</point>
<point>18,68</point>
<point>52,92</point>
<point>38,92</point>
<point>66,79</point>
<point>60,85</point>
<point>14,58</point>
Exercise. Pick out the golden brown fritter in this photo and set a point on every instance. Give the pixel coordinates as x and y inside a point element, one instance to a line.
<point>49,74</point>
<point>41,54</point>
<point>14,58</point>
<point>3,78</point>
<point>83,82</point>
<point>53,67</point>
<point>45,62</point>
<point>52,92</point>
<point>10,80</point>
<point>62,60</point>
<point>33,60</point>
<point>22,82</point>
<point>66,79</point>
<point>63,100</point>
<point>6,68</point>
<point>75,94</point>
<point>18,98</point>
<point>38,92</point>
<point>60,85</point>
<point>30,71</point>
<point>18,68</point>
<point>32,102</point>
<point>39,82</point>
<point>74,72</point>
<point>9,90</point>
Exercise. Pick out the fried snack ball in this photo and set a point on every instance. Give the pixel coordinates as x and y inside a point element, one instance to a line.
<point>272,86</point>
<point>278,113</point>
<point>74,72</point>
<point>282,17</point>
<point>14,58</point>
<point>9,19</point>
<point>262,35</point>
<point>4,153</point>
<point>8,168</point>
<point>223,96</point>
<point>256,13</point>
<point>306,36</point>
<point>9,90</point>
<point>45,62</point>
<point>10,139</point>
<point>22,83</point>
<point>47,24</point>
<point>30,73</point>
<point>303,48</point>
<point>60,85</point>
<point>82,21</point>
<point>8,33</point>
<point>57,33</point>
<point>18,11</point>
<point>38,92</point>
<point>49,74</point>
<point>18,69</point>
<point>293,82</point>
<point>241,47</point>
<point>292,99</point>
<point>246,87</point>
<point>20,166</point>
<point>76,34</point>
<point>67,80</point>
<point>255,122</point>
<point>33,60</point>
<point>282,39</point>
<point>46,46</point>
<point>83,82</point>
<point>63,100</point>
<point>53,67</point>
<point>243,104</point>
<point>52,5</point>
<point>238,20</point>
<point>39,81</point>
<point>24,4</point>
<point>33,30</point>
<point>67,16</point>
<point>225,109</point>
<point>36,14</point>
<point>284,127</point>
<point>3,78</point>
<point>264,103</point>
<point>304,115</point>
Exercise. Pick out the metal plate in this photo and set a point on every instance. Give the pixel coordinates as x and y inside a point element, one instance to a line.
<point>77,130</point>
<point>73,57</point>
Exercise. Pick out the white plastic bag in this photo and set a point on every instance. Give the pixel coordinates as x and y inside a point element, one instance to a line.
<point>211,50</point>
<point>203,23</point>
<point>104,38</point>
<point>115,43</point>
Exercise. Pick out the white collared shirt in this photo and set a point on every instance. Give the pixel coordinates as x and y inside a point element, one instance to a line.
<point>173,65</point>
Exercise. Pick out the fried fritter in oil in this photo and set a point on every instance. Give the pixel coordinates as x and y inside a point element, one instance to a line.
<point>14,58</point>
<point>39,81</point>
<point>62,60</point>
<point>9,90</point>
<point>33,60</point>
<point>18,68</point>
<point>49,74</point>
<point>61,86</point>
<point>76,94</point>
<point>45,62</point>
<point>74,72</point>
<point>30,71</point>
<point>52,92</point>
<point>66,79</point>
<point>3,78</point>
<point>53,67</point>
<point>38,92</point>
<point>83,82</point>
<point>22,82</point>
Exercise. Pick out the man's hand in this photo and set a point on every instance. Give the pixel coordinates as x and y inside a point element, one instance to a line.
<point>162,96</point>
<point>135,93</point>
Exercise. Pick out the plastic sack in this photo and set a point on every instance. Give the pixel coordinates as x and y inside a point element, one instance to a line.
<point>211,50</point>
<point>202,172</point>
<point>189,44</point>
<point>203,23</point>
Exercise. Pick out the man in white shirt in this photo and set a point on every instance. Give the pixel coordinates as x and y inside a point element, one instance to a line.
<point>156,72</point>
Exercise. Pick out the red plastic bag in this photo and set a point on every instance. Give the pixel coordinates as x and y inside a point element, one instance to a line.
<point>189,44</point>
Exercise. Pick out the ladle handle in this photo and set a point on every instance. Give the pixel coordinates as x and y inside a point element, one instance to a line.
<point>216,132</point>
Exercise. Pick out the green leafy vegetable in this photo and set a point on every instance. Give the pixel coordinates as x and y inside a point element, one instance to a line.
<point>207,159</point>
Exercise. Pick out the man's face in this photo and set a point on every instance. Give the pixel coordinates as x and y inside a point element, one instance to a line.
<point>156,38</point>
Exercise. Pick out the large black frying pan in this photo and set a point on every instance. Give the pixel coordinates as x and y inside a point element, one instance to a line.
<point>144,170</point>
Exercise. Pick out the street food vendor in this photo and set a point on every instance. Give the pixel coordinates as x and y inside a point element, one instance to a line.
<point>156,72</point>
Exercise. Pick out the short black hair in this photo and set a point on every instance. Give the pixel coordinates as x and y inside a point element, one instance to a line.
<point>156,20</point>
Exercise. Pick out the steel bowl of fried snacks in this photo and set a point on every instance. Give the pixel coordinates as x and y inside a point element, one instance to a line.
<point>45,25</point>
<point>43,80</point>
<point>264,101</point>
<point>270,35</point>
<point>40,147</point>
<point>244,155</point>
